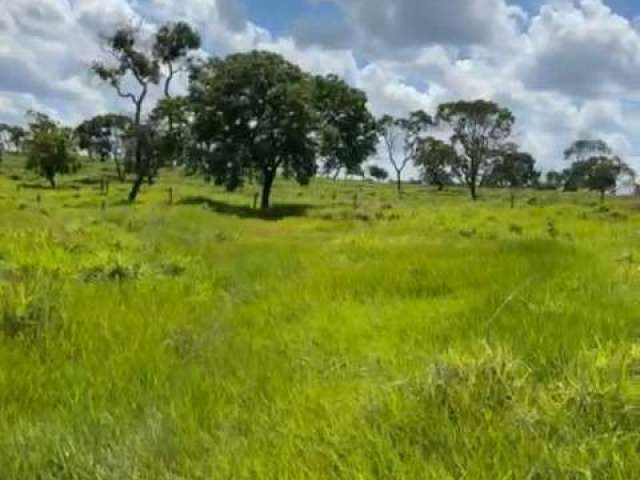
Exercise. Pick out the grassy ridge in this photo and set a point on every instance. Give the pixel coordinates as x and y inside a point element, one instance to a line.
<point>351,334</point>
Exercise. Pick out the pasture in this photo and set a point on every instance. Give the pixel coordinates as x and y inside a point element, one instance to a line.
<point>348,333</point>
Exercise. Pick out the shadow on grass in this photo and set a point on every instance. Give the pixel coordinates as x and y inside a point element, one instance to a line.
<point>46,186</point>
<point>276,212</point>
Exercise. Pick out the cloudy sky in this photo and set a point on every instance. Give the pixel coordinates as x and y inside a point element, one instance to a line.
<point>567,68</point>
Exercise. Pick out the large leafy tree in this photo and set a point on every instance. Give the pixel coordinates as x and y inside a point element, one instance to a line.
<point>436,161</point>
<point>254,112</point>
<point>347,130</point>
<point>51,150</point>
<point>402,138</point>
<point>131,60</point>
<point>480,130</point>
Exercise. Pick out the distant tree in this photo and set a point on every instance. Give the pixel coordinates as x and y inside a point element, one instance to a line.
<point>579,153</point>
<point>378,173</point>
<point>172,118</point>
<point>254,114</point>
<point>555,180</point>
<point>435,161</point>
<point>132,60</point>
<point>5,137</point>
<point>512,169</point>
<point>357,171</point>
<point>50,148</point>
<point>605,173</point>
<point>106,136</point>
<point>12,137</point>
<point>347,130</point>
<point>480,130</point>
<point>582,150</point>
<point>401,138</point>
<point>18,136</point>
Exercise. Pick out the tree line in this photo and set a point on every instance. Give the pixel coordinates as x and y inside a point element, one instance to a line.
<point>252,117</point>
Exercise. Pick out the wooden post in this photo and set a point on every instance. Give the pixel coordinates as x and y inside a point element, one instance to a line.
<point>170,195</point>
<point>355,200</point>
<point>38,199</point>
<point>256,196</point>
<point>106,187</point>
<point>103,206</point>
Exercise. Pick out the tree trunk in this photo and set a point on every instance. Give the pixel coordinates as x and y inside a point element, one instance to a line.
<point>267,183</point>
<point>474,190</point>
<point>602,196</point>
<point>399,181</point>
<point>120,171</point>
<point>440,187</point>
<point>137,184</point>
<point>52,181</point>
<point>512,198</point>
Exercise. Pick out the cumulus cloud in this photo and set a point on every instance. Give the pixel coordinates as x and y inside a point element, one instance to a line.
<point>582,49</point>
<point>389,26</point>
<point>568,70</point>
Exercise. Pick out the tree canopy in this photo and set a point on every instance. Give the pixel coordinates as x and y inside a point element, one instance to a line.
<point>254,114</point>
<point>50,148</point>
<point>480,130</point>
<point>436,161</point>
<point>594,167</point>
<point>347,130</point>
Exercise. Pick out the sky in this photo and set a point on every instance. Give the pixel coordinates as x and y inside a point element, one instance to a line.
<point>568,69</point>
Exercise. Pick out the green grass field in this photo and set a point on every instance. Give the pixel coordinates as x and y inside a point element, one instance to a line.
<point>352,334</point>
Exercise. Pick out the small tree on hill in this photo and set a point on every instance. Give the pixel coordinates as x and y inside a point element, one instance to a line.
<point>50,148</point>
<point>480,130</point>
<point>255,114</point>
<point>436,161</point>
<point>401,138</point>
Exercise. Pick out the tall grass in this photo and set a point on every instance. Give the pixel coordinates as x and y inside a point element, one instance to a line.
<point>414,337</point>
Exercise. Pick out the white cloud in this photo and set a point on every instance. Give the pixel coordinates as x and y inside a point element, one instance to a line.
<point>569,70</point>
